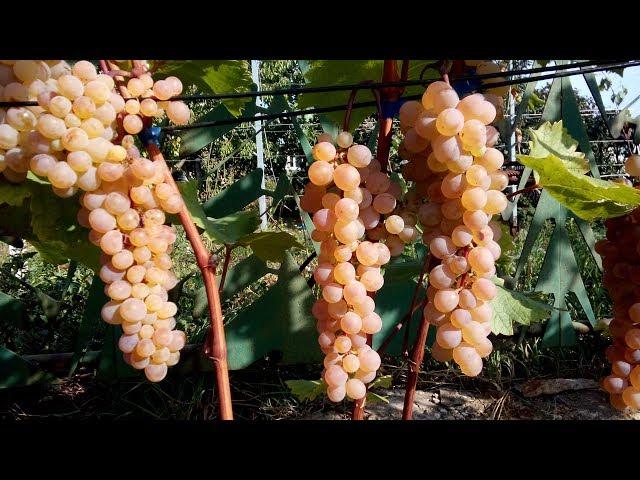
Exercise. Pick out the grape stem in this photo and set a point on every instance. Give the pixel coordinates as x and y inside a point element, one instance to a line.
<point>417,355</point>
<point>405,340</point>
<point>530,188</point>
<point>389,74</point>
<point>216,349</point>
<point>225,266</point>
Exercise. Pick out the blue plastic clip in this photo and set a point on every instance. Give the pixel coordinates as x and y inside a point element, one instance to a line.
<point>462,88</point>
<point>391,109</point>
<point>150,135</point>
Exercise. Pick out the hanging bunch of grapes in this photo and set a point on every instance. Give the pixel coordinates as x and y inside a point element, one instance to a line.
<point>457,189</point>
<point>354,207</point>
<point>620,253</point>
<point>71,140</point>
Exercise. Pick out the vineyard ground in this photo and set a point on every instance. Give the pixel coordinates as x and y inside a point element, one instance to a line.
<point>457,398</point>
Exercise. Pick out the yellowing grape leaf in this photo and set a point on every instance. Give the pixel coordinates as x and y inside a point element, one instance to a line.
<point>553,139</point>
<point>589,198</point>
<point>510,306</point>
<point>306,390</point>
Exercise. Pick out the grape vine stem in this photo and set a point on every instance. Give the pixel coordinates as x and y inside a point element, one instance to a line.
<point>218,347</point>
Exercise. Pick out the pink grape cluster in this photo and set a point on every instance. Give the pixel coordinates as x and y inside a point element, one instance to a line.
<point>354,207</point>
<point>69,140</point>
<point>449,146</point>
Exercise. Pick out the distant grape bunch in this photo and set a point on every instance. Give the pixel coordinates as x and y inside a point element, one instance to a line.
<point>71,140</point>
<point>354,206</point>
<point>448,144</point>
<point>620,252</point>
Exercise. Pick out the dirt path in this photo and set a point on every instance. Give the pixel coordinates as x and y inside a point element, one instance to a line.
<point>450,404</point>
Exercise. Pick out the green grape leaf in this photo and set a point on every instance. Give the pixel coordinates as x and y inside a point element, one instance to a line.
<point>306,390</point>
<point>375,398</point>
<point>587,197</point>
<point>510,306</point>
<point>236,196</point>
<point>553,139</point>
<point>246,272</point>
<point>91,321</point>
<point>11,309</point>
<point>347,72</point>
<point>15,371</point>
<point>33,212</point>
<point>227,229</point>
<point>270,245</point>
<point>278,320</point>
<point>213,76</point>
<point>383,381</point>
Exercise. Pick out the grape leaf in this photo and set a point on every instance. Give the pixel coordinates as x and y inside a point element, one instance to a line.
<point>213,76</point>
<point>15,371</point>
<point>510,306</point>
<point>227,229</point>
<point>11,309</point>
<point>33,212</point>
<point>383,381</point>
<point>589,198</point>
<point>347,72</point>
<point>270,245</point>
<point>278,320</point>
<point>553,139</point>
<point>306,390</point>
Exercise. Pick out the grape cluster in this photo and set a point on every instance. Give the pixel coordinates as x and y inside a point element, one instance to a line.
<point>620,252</point>
<point>448,143</point>
<point>69,139</point>
<point>354,206</point>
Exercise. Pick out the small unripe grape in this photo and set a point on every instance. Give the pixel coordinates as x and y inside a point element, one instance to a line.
<point>614,384</point>
<point>345,176</point>
<point>132,124</point>
<point>359,155</point>
<point>344,139</point>
<point>371,323</point>
<point>133,310</point>
<point>351,323</point>
<point>446,300</point>
<point>353,292</point>
<point>324,151</point>
<point>373,281</point>
<point>332,292</point>
<point>355,389</point>
<point>346,209</point>
<point>449,122</point>
<point>335,376</point>
<point>482,313</point>
<point>337,393</point>
<point>369,359</point>
<point>155,372</point>
<point>127,343</point>
<point>344,273</point>
<point>632,165</point>
<point>367,253</point>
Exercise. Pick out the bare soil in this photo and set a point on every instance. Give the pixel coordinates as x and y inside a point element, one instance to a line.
<point>450,403</point>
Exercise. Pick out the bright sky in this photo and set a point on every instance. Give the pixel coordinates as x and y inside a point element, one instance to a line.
<point>630,80</point>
